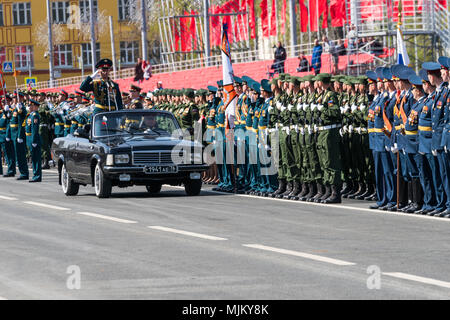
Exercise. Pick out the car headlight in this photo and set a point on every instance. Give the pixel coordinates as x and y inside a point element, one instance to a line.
<point>121,158</point>
<point>109,159</point>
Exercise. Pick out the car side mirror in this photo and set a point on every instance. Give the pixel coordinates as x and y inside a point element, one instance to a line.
<point>81,133</point>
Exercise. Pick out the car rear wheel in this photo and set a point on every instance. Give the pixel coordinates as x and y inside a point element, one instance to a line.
<point>154,188</point>
<point>102,184</point>
<point>69,187</point>
<point>193,187</point>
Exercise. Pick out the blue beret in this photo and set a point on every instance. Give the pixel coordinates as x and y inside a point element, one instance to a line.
<point>431,66</point>
<point>423,75</point>
<point>371,75</point>
<point>415,80</point>
<point>444,62</point>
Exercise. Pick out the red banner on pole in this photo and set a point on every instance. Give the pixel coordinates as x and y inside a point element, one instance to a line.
<point>273,19</point>
<point>303,16</point>
<point>264,18</point>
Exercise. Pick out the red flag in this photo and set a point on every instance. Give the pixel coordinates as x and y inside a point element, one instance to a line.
<point>273,19</point>
<point>303,16</point>
<point>185,43</point>
<point>227,8</point>
<point>193,31</point>
<point>264,18</point>
<point>215,27</point>
<point>241,23</point>
<point>176,36</point>
<point>283,18</point>
<point>337,12</point>
<point>313,14</point>
<point>252,23</point>
<point>323,8</point>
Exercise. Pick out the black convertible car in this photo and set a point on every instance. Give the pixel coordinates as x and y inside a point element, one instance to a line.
<point>126,148</point>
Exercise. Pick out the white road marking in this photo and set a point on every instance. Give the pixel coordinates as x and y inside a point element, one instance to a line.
<point>39,204</point>
<point>301,254</point>
<point>339,206</point>
<point>7,198</point>
<point>187,233</point>
<point>411,277</point>
<point>95,215</point>
<point>2,298</point>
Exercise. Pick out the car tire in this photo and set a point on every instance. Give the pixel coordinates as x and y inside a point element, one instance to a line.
<point>69,187</point>
<point>102,184</point>
<point>154,188</point>
<point>193,187</point>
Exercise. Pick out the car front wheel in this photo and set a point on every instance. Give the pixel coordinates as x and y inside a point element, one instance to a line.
<point>69,187</point>
<point>102,184</point>
<point>193,187</point>
<point>154,188</point>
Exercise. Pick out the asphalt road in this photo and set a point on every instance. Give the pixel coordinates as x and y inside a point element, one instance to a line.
<point>213,246</point>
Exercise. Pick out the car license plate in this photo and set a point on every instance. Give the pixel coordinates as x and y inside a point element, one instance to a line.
<point>160,169</point>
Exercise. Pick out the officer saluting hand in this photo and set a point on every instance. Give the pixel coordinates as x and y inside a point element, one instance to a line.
<point>107,95</point>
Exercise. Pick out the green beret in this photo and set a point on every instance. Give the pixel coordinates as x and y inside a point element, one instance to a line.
<point>294,80</point>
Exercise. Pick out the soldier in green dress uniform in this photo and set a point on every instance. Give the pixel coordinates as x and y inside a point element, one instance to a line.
<point>34,140</point>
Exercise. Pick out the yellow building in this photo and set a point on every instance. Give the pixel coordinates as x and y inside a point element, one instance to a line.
<point>24,37</point>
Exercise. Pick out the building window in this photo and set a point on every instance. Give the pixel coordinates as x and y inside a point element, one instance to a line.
<point>87,55</point>
<point>60,12</point>
<point>63,55</point>
<point>129,52</point>
<point>22,13</point>
<point>84,10</point>
<point>126,9</point>
<point>2,55</point>
<point>1,14</point>
<point>23,57</point>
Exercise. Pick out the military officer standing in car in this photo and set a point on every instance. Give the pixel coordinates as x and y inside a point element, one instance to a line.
<point>106,92</point>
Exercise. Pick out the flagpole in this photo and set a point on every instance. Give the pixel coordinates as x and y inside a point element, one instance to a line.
<point>399,22</point>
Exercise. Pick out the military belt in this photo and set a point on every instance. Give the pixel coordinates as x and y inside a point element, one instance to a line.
<point>2,128</point>
<point>333,126</point>
<point>59,123</point>
<point>105,107</point>
<point>262,127</point>
<point>248,128</point>
<point>28,134</point>
<point>43,125</point>
<point>210,127</point>
<point>423,128</point>
<point>410,133</point>
<point>398,127</point>
<point>372,130</point>
<point>221,125</point>
<point>67,126</point>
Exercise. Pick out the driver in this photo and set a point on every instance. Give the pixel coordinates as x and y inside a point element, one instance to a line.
<point>149,122</point>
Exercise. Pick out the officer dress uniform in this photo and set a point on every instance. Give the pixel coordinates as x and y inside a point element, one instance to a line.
<point>34,143</point>
<point>17,124</point>
<point>107,96</point>
<point>241,146</point>
<point>7,146</point>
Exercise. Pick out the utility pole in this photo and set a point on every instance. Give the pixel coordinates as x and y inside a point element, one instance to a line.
<point>206,37</point>
<point>50,45</point>
<point>92,21</point>
<point>144,30</point>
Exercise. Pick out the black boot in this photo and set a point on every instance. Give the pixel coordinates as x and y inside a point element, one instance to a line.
<point>358,192</point>
<point>366,193</point>
<point>305,189</point>
<point>335,195</point>
<point>295,192</point>
<point>312,191</point>
<point>319,194</point>
<point>326,194</point>
<point>287,191</point>
<point>348,186</point>
<point>352,189</point>
<point>373,194</point>
<point>417,197</point>
<point>281,188</point>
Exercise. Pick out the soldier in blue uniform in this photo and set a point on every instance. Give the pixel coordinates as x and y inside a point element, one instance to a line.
<point>446,138</point>
<point>34,140</point>
<point>107,95</point>
<point>437,127</point>
<point>6,144</point>
<point>18,137</point>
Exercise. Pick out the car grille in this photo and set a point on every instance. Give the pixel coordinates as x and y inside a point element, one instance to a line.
<point>144,158</point>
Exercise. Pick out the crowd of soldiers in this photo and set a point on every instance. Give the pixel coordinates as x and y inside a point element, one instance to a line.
<point>382,137</point>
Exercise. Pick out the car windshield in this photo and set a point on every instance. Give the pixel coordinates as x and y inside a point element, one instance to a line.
<point>134,123</point>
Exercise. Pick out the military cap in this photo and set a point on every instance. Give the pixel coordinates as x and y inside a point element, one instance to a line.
<point>309,77</point>
<point>246,79</point>
<point>134,88</point>
<point>104,63</point>
<point>238,80</point>
<point>20,93</point>
<point>431,66</point>
<point>212,89</point>
<point>79,93</point>
<point>125,94</point>
<point>294,80</point>
<point>86,100</point>
<point>35,102</point>
<point>265,85</point>
<point>401,72</point>
<point>444,62</point>
<point>415,80</point>
<point>43,94</point>
<point>220,83</point>
<point>190,93</point>
<point>423,75</point>
<point>142,95</point>
<point>372,76</point>
<point>255,86</point>
<point>387,75</point>
<point>64,92</point>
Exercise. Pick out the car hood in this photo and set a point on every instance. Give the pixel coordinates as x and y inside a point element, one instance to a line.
<point>139,143</point>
